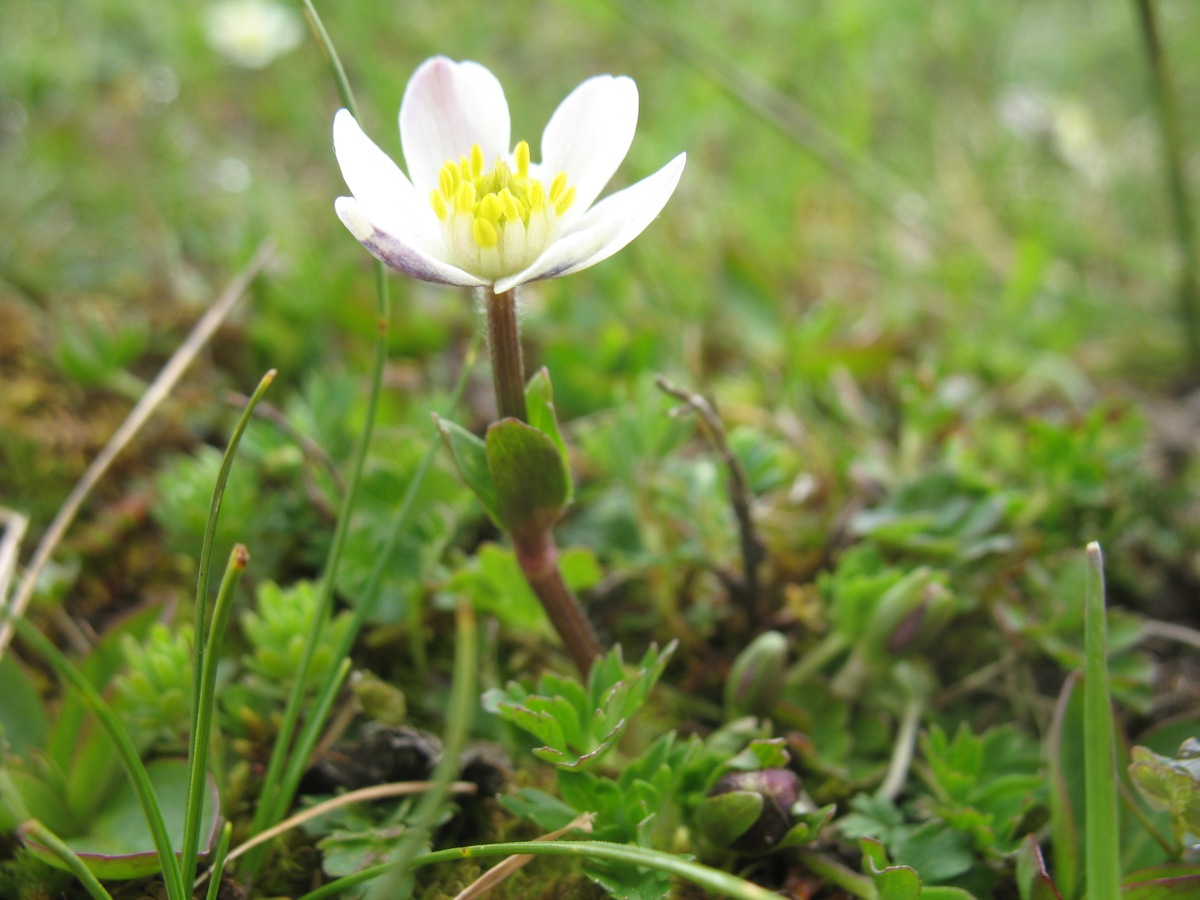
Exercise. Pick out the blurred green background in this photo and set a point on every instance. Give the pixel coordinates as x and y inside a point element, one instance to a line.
<point>968,196</point>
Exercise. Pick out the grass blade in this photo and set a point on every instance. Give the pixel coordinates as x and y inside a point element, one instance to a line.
<point>1101,826</point>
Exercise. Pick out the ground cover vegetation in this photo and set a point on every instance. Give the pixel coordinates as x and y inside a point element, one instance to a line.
<point>827,457</point>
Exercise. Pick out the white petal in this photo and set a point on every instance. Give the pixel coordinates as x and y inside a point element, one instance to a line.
<point>588,136</point>
<point>386,196</point>
<point>447,108</point>
<point>393,250</point>
<point>605,228</point>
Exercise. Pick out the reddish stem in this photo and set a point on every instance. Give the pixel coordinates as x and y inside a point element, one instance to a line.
<point>538,557</point>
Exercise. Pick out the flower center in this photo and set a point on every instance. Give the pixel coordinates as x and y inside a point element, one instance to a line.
<point>497,221</point>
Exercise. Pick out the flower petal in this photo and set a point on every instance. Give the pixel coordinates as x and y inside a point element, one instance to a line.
<point>387,198</point>
<point>605,228</point>
<point>393,250</point>
<point>448,107</point>
<point>588,136</point>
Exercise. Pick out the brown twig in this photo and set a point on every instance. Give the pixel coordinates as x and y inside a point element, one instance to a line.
<point>753,551</point>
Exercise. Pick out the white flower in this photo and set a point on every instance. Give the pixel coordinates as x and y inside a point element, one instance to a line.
<point>251,33</point>
<point>474,210</point>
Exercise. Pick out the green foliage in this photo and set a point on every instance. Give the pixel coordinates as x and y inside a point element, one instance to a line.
<point>154,692</point>
<point>492,579</point>
<point>580,725</point>
<point>1172,784</point>
<point>116,844</point>
<point>984,786</point>
<point>24,721</point>
<point>440,507</point>
<point>945,364</point>
<point>96,345</point>
<point>257,510</point>
<point>900,882</point>
<point>277,628</point>
<point>531,481</point>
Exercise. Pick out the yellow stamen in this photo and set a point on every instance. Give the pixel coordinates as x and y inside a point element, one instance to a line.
<point>521,156</point>
<point>510,204</point>
<point>557,186</point>
<point>448,181</point>
<point>465,201</point>
<point>490,208</point>
<point>439,205</point>
<point>484,233</point>
<point>492,199</point>
<point>537,197</point>
<point>563,203</point>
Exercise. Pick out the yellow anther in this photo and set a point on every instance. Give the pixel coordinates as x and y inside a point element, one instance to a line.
<point>484,233</point>
<point>512,208</point>
<point>448,180</point>
<point>465,201</point>
<point>490,208</point>
<point>439,204</point>
<point>521,157</point>
<point>564,202</point>
<point>488,200</point>
<point>537,196</point>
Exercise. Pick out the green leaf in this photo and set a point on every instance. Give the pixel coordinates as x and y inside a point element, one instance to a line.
<point>579,726</point>
<point>531,486</point>
<point>1170,882</point>
<point>630,882</point>
<point>23,720</point>
<point>548,812</point>
<point>1171,784</point>
<point>118,845</point>
<point>937,852</point>
<point>900,882</point>
<point>809,827</point>
<point>105,660</point>
<point>38,794</point>
<point>471,459</point>
<point>1032,879</point>
<point>726,817</point>
<point>539,404</point>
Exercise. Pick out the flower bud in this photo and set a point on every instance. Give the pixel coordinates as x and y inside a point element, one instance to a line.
<point>756,676</point>
<point>728,807</point>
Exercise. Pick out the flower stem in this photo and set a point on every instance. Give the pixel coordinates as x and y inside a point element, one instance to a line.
<point>538,559</point>
<point>504,342</point>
